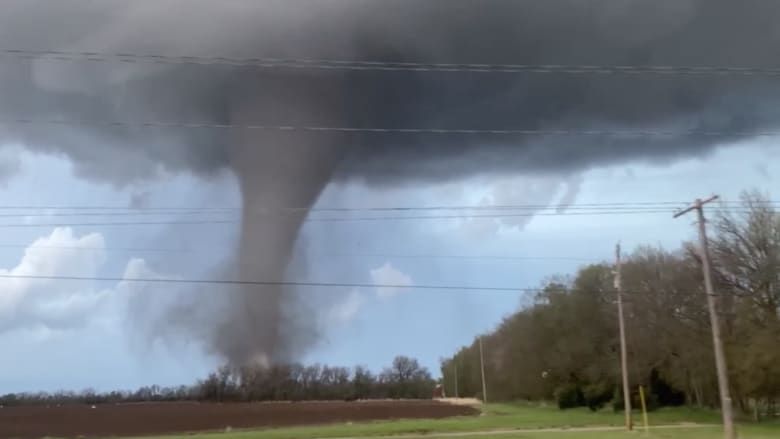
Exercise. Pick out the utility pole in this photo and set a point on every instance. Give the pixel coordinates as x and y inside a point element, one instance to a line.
<point>482,367</point>
<point>623,351</point>
<point>729,431</point>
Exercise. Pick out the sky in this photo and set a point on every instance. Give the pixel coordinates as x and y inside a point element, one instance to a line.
<point>108,334</point>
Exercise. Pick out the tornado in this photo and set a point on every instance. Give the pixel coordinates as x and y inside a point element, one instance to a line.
<point>279,176</point>
<point>271,180</point>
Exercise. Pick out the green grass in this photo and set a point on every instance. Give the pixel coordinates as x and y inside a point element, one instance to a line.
<point>745,432</point>
<point>494,417</point>
<point>534,416</point>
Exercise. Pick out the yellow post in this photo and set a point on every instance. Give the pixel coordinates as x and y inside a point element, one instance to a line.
<point>644,408</point>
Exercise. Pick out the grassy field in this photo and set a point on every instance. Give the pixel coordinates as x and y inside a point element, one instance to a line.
<point>498,417</point>
<point>746,432</point>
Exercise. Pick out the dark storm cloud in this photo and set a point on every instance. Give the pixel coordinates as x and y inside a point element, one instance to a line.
<point>599,32</point>
<point>291,168</point>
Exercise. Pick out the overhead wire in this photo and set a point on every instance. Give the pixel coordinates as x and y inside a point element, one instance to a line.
<point>114,207</point>
<point>329,214</point>
<point>376,65</point>
<point>298,284</point>
<point>109,214</point>
<point>325,220</point>
<point>173,210</point>
<point>266,283</point>
<point>461,257</point>
<point>498,212</point>
<point>29,247</point>
<point>315,215</point>
<point>190,125</point>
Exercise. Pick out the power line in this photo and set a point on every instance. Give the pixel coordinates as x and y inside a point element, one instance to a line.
<point>110,214</point>
<point>483,216</point>
<point>29,247</point>
<point>615,205</point>
<point>464,257</point>
<point>301,284</point>
<point>173,209</point>
<point>286,211</point>
<point>268,283</point>
<point>268,211</point>
<point>176,209</point>
<point>352,219</point>
<point>326,220</point>
<point>331,254</point>
<point>357,65</point>
<point>120,224</point>
<point>595,207</point>
<point>228,209</point>
<point>376,130</point>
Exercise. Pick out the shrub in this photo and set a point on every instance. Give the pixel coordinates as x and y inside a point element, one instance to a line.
<point>597,395</point>
<point>569,396</point>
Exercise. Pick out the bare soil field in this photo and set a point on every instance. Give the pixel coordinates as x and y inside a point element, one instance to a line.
<point>160,418</point>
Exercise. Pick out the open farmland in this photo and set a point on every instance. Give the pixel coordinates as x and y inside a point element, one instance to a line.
<point>518,420</point>
<point>163,418</point>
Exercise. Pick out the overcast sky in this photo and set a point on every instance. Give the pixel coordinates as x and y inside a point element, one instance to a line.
<point>106,335</point>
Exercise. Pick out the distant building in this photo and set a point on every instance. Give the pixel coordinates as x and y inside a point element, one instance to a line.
<point>438,392</point>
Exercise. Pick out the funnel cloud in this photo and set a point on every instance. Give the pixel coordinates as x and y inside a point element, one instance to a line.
<point>277,169</point>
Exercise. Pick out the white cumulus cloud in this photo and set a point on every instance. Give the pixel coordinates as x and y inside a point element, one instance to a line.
<point>29,301</point>
<point>389,275</point>
<point>534,194</point>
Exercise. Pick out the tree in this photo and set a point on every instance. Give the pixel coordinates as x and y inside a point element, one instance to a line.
<point>407,379</point>
<point>363,382</point>
<point>746,257</point>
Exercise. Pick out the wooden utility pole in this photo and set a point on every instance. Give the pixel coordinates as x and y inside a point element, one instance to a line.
<point>482,367</point>
<point>729,432</point>
<point>644,409</point>
<point>623,350</point>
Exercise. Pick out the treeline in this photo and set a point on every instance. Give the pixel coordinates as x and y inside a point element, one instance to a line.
<point>566,347</point>
<point>90,396</point>
<point>405,378</point>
